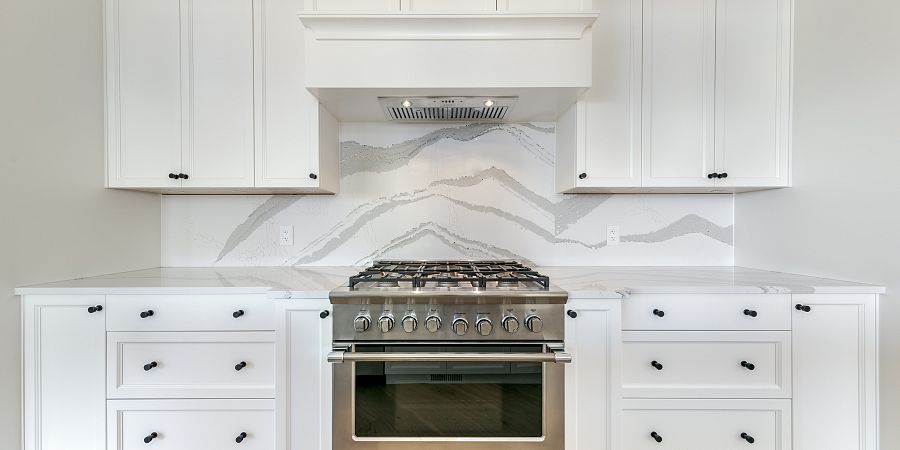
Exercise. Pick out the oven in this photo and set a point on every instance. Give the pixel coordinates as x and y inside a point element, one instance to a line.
<point>448,396</point>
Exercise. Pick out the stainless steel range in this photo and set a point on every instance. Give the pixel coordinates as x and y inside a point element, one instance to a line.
<point>448,355</point>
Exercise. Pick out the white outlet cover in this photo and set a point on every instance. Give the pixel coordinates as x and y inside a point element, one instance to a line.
<point>612,235</point>
<point>286,235</point>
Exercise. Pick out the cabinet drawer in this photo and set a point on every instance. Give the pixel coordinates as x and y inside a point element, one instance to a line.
<point>190,313</point>
<point>706,424</point>
<point>707,312</point>
<point>706,364</point>
<point>191,365</point>
<point>190,424</point>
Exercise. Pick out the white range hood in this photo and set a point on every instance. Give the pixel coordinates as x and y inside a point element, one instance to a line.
<point>537,64</point>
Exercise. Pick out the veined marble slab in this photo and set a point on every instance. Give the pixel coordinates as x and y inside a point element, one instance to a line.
<point>580,282</point>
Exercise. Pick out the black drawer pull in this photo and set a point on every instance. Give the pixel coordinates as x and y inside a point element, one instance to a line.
<point>240,365</point>
<point>571,313</point>
<point>656,437</point>
<point>748,366</point>
<point>656,365</point>
<point>747,438</point>
<point>750,312</point>
<point>150,437</point>
<point>237,313</point>
<point>324,314</point>
<point>804,308</point>
<point>93,309</point>
<point>659,313</point>
<point>150,365</point>
<point>240,438</point>
<point>146,314</point>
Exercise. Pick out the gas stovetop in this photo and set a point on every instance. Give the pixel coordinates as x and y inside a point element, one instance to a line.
<point>456,275</point>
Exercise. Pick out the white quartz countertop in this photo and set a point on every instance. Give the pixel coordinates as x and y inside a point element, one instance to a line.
<point>580,282</point>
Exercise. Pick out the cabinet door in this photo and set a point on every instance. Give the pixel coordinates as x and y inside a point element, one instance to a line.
<point>354,6</point>
<point>303,376</point>
<point>218,149</point>
<point>531,6</point>
<point>678,93</point>
<point>143,84</point>
<point>835,372</point>
<point>448,6</point>
<point>753,67</point>
<point>64,373</point>
<point>593,380</point>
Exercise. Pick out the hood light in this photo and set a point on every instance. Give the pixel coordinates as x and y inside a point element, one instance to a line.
<point>488,103</point>
<point>407,104</point>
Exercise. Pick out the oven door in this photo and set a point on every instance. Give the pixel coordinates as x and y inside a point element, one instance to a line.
<point>448,396</point>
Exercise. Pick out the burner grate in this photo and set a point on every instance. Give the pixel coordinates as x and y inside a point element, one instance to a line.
<point>450,274</point>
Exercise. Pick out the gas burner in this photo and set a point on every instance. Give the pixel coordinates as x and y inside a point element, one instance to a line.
<point>387,283</point>
<point>456,275</point>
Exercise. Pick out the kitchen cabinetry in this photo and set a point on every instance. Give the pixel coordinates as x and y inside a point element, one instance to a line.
<point>64,389</point>
<point>187,83</point>
<point>532,6</point>
<point>304,383</point>
<point>446,6</point>
<point>593,337</point>
<point>835,372</point>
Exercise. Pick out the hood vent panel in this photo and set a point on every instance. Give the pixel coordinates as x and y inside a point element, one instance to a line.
<point>447,109</point>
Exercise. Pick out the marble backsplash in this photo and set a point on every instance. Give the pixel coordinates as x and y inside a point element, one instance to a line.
<point>448,191</point>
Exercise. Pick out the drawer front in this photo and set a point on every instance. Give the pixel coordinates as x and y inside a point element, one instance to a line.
<point>190,313</point>
<point>191,365</point>
<point>191,425</point>
<point>706,364</point>
<point>707,312</point>
<point>706,424</point>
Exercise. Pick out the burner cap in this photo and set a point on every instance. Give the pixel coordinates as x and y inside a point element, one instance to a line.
<point>388,283</point>
<point>448,283</point>
<point>508,283</point>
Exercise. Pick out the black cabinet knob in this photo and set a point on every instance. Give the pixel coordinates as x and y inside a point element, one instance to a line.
<point>324,314</point>
<point>183,176</point>
<point>93,309</point>
<point>722,175</point>
<point>240,438</point>
<point>313,176</point>
<point>656,365</point>
<point>712,175</point>
<point>173,176</point>
<point>582,176</point>
<point>804,308</point>
<point>656,437</point>
<point>747,438</point>
<point>659,313</point>
<point>150,365</point>
<point>146,314</point>
<point>150,437</point>
<point>571,313</point>
<point>240,365</point>
<point>748,366</point>
<point>237,313</point>
<point>750,312</point>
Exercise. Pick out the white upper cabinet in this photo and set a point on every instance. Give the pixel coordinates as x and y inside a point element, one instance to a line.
<point>449,6</point>
<point>531,6</point>
<point>352,6</point>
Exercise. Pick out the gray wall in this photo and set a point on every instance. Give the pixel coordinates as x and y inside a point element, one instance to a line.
<point>842,217</point>
<point>56,219</point>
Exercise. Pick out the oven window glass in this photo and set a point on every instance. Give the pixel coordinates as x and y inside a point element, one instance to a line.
<point>449,399</point>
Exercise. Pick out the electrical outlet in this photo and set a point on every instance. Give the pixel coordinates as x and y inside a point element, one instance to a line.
<point>612,235</point>
<point>286,235</point>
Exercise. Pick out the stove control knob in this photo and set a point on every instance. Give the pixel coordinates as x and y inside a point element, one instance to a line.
<point>510,324</point>
<point>460,325</point>
<point>362,322</point>
<point>433,323</point>
<point>534,323</point>
<point>484,326</point>
<point>386,322</point>
<point>410,322</point>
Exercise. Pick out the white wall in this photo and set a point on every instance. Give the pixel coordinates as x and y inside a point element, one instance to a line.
<point>842,217</point>
<point>56,220</point>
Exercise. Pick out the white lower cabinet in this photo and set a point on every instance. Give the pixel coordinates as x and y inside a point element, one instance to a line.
<point>191,424</point>
<point>706,424</point>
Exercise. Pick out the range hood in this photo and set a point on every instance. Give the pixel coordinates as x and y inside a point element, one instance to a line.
<point>484,67</point>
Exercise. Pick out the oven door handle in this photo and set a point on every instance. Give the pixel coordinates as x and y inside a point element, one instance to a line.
<point>341,356</point>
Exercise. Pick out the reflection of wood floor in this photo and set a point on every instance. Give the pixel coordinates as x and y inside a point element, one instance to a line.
<point>448,410</point>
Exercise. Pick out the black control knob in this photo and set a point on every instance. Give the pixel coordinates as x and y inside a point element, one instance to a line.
<point>237,313</point>
<point>313,176</point>
<point>240,438</point>
<point>146,314</point>
<point>804,308</point>
<point>747,438</point>
<point>93,309</point>
<point>750,312</point>
<point>656,365</point>
<point>150,365</point>
<point>150,437</point>
<point>659,313</point>
<point>582,176</point>
<point>656,437</point>
<point>240,365</point>
<point>571,313</point>
<point>748,366</point>
<point>324,314</point>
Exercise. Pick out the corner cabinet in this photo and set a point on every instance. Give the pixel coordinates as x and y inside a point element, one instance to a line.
<point>695,96</point>
<point>207,97</point>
